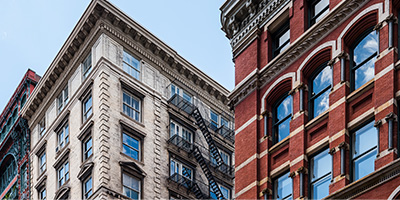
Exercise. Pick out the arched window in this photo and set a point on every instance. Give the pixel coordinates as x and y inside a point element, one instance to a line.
<point>282,112</point>
<point>320,83</point>
<point>362,58</point>
<point>8,171</point>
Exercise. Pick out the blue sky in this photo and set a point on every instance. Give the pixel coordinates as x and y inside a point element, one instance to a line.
<point>33,31</point>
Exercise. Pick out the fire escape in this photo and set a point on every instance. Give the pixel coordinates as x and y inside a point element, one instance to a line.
<point>195,150</point>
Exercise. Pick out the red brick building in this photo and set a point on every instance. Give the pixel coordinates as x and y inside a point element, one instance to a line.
<point>316,98</point>
<point>14,142</point>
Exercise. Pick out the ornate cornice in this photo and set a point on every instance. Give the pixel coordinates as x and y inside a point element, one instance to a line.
<point>121,24</point>
<point>310,38</point>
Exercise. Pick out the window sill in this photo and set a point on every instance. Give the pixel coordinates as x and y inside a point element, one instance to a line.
<point>278,145</point>
<point>317,119</point>
<point>132,120</point>
<point>356,93</point>
<point>89,119</point>
<point>132,159</point>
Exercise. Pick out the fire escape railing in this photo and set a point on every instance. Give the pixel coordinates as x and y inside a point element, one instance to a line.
<point>195,186</point>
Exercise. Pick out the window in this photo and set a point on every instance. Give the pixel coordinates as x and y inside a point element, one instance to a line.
<point>283,187</point>
<point>225,192</point>
<point>217,121</point>
<point>87,66</point>
<point>24,177</point>
<point>282,112</point>
<point>320,177</point>
<point>131,146</point>
<point>320,85</point>
<point>364,150</point>
<point>362,59</point>
<point>131,65</point>
<point>63,174</point>
<point>63,136</point>
<point>131,106</point>
<point>176,90</point>
<point>87,187</point>
<point>318,9</point>
<point>62,99</point>
<point>178,168</point>
<point>87,107</point>
<point>42,126</point>
<point>177,129</point>
<point>42,194</point>
<point>131,186</point>
<point>87,148</point>
<point>281,39</point>
<point>225,158</point>
<point>42,162</point>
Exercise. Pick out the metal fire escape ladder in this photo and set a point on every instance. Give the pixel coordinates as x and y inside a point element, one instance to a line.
<point>193,186</point>
<point>213,150</point>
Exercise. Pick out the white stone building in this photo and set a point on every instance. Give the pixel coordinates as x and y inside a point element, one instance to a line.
<point>118,115</point>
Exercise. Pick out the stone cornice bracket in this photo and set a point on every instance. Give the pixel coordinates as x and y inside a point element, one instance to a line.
<point>292,174</point>
<point>296,89</point>
<point>302,170</point>
<point>266,191</point>
<point>391,17</point>
<point>343,55</point>
<point>378,123</point>
<point>378,26</point>
<point>332,151</point>
<point>344,145</point>
<point>391,116</point>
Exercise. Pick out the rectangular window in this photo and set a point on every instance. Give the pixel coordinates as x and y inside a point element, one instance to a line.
<point>131,65</point>
<point>63,136</point>
<point>225,158</point>
<point>184,133</point>
<point>320,177</point>
<point>226,192</point>
<point>131,186</point>
<point>318,9</point>
<point>87,148</point>
<point>176,90</point>
<point>24,177</point>
<point>62,99</point>
<point>87,187</point>
<point>131,146</point>
<point>87,66</point>
<point>42,194</point>
<point>63,174</point>
<point>87,107</point>
<point>180,169</point>
<point>364,150</point>
<point>42,162</point>
<point>131,106</point>
<point>281,39</point>
<point>214,120</point>
<point>42,126</point>
<point>283,187</point>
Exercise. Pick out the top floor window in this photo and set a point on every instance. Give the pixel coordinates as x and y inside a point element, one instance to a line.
<point>320,84</point>
<point>176,90</point>
<point>281,39</point>
<point>62,99</point>
<point>282,112</point>
<point>131,65</point>
<point>42,126</point>
<point>283,187</point>
<point>87,66</point>
<point>362,59</point>
<point>364,150</point>
<point>318,9</point>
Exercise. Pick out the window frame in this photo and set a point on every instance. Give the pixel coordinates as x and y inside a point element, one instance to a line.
<point>311,167</point>
<point>86,72</point>
<point>174,89</point>
<point>65,140</point>
<point>62,99</point>
<point>42,165</point>
<point>311,97</point>
<point>89,193</point>
<point>138,139</point>
<point>132,189</point>
<point>274,185</point>
<point>87,113</point>
<point>84,150</point>
<point>125,63</point>
<point>353,68</point>
<point>180,170</point>
<point>276,50</point>
<point>275,123</point>
<point>41,197</point>
<point>65,174</point>
<point>42,126</point>
<point>352,148</point>
<point>311,12</point>
<point>138,99</point>
<point>181,128</point>
<point>220,187</point>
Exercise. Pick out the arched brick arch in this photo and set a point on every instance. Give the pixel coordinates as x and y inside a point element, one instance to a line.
<point>282,79</point>
<point>395,194</point>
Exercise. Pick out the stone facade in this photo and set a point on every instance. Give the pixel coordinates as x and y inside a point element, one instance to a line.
<point>106,37</point>
<point>263,77</point>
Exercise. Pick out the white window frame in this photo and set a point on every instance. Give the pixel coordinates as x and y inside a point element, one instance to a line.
<point>42,165</point>
<point>87,112</point>
<point>180,166</point>
<point>179,130</point>
<point>85,151</point>
<point>62,99</point>
<point>63,136</point>
<point>219,120</point>
<point>87,193</point>
<point>61,180</point>
<point>132,189</point>
<point>139,71</point>
<point>133,97</point>
<point>42,126</point>
<point>87,66</point>
<point>177,90</point>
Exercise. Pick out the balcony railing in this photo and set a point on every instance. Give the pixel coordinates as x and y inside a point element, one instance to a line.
<point>224,131</point>
<point>182,103</point>
<point>194,185</point>
<point>181,143</point>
